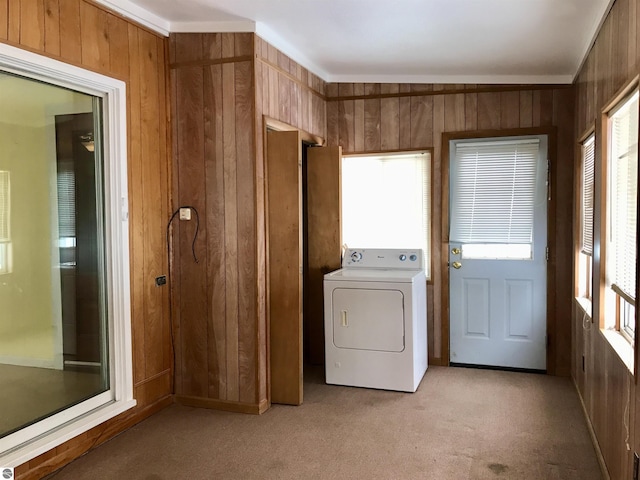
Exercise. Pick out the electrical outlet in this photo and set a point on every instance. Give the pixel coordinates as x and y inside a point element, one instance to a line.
<point>185,214</point>
<point>636,459</point>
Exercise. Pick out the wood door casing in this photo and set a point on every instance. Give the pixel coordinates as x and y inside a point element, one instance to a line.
<point>284,199</point>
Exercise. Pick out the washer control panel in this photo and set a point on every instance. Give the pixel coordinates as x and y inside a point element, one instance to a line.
<point>389,258</point>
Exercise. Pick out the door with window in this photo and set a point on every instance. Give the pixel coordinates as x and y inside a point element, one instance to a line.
<point>497,252</point>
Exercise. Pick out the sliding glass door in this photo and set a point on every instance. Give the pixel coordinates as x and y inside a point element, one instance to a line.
<point>53,322</point>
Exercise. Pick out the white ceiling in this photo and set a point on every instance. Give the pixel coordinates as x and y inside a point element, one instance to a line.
<point>419,41</point>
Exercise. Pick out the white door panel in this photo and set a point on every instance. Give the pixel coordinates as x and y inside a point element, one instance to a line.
<point>498,307</point>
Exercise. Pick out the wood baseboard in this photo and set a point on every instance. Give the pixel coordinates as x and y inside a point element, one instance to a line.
<point>592,434</point>
<point>226,406</point>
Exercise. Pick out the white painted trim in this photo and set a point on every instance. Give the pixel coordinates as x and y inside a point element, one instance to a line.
<point>138,14</point>
<point>459,79</point>
<point>213,27</point>
<point>29,442</point>
<point>269,35</point>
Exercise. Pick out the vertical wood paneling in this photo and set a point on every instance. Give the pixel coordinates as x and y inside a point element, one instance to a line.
<point>70,41</point>
<point>118,52</point>
<point>153,228</point>
<point>136,232</point>
<point>214,181</point>
<point>95,37</point>
<point>52,27</point>
<point>246,233</point>
<point>32,24</point>
<point>489,111</point>
<point>389,120</point>
<point>15,22</point>
<point>230,227</point>
<point>85,34</point>
<point>4,19</point>
<point>371,119</point>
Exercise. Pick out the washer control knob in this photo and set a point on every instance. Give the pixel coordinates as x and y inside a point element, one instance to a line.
<point>356,257</point>
<point>402,257</point>
<point>413,257</point>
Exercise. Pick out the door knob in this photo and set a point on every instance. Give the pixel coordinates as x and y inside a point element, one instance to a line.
<point>456,265</point>
<point>455,251</point>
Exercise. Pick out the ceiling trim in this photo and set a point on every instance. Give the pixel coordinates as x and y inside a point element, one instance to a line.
<point>213,27</point>
<point>459,79</point>
<point>138,14</point>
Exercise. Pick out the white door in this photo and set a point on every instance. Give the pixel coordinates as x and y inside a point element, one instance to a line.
<point>497,252</point>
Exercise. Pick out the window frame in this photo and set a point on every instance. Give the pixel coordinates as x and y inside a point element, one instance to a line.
<point>427,255</point>
<point>612,299</point>
<point>29,442</point>
<point>585,258</point>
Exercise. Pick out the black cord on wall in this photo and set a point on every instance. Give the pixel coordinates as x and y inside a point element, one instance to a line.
<point>195,259</point>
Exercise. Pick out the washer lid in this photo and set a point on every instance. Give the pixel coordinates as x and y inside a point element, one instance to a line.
<point>374,275</point>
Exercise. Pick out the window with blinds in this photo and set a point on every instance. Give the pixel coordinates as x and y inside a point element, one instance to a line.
<point>588,164</point>
<point>5,238</point>
<point>622,204</point>
<point>66,205</point>
<point>494,184</point>
<point>386,202</point>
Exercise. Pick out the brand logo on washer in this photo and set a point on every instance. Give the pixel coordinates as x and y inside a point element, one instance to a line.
<point>7,473</point>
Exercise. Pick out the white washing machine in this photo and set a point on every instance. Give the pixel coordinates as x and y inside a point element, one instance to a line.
<point>375,320</point>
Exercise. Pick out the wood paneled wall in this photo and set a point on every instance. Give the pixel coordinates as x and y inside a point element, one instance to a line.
<point>223,85</point>
<point>608,390</point>
<point>87,35</point>
<point>376,118</point>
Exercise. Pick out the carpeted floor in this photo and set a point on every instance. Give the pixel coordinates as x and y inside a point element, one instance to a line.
<point>460,424</point>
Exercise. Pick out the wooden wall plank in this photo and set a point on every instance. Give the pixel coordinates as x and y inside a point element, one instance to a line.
<point>216,259</point>
<point>346,112</point>
<point>95,37</point>
<point>4,19</point>
<point>230,227</point>
<point>247,246</point>
<point>52,27</point>
<point>489,111</point>
<point>389,119</point>
<point>404,112</point>
<point>136,233</point>
<point>70,40</point>
<point>358,118</point>
<point>13,33</point>
<point>32,24</point>
<point>153,190</point>
<point>118,52</point>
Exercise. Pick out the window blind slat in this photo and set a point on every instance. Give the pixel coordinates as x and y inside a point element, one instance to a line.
<point>494,190</point>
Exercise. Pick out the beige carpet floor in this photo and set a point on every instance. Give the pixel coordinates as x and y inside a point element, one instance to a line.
<point>460,424</point>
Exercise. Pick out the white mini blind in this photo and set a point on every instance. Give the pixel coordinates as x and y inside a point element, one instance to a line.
<point>588,164</point>
<point>623,192</point>
<point>66,202</point>
<point>386,202</point>
<point>494,186</point>
<point>5,194</point>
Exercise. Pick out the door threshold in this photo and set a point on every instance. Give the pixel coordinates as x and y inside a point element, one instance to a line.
<point>497,367</point>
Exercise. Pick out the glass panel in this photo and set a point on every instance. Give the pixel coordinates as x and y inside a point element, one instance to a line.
<point>53,348</point>
<point>497,251</point>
